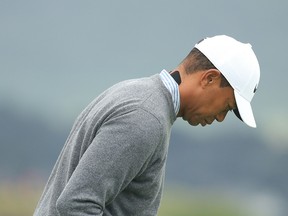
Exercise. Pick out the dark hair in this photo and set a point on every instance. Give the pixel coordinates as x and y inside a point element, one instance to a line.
<point>197,61</point>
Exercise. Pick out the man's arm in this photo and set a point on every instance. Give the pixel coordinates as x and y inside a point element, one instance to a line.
<point>116,155</point>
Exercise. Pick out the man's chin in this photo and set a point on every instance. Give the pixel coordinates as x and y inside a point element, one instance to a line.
<point>193,123</point>
<point>203,124</point>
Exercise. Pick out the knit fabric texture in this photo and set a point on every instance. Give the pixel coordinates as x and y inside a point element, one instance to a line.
<point>113,161</point>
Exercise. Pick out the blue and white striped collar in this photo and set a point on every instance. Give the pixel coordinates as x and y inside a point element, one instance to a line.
<point>173,88</point>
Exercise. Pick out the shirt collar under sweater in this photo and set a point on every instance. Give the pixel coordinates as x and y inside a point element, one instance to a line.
<point>173,88</point>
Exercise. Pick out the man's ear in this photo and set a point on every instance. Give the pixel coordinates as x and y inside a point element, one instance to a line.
<point>210,77</point>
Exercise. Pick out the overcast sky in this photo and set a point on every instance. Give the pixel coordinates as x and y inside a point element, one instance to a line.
<point>56,56</point>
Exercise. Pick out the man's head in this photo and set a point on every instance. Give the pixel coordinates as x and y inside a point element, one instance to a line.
<point>224,74</point>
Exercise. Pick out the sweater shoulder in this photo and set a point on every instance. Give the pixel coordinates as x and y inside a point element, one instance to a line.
<point>147,93</point>
<point>124,99</point>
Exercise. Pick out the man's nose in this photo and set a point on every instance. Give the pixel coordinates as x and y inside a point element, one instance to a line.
<point>221,116</point>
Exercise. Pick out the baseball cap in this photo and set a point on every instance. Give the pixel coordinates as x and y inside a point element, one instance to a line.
<point>239,65</point>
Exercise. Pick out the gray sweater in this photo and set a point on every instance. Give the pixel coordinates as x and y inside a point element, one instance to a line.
<point>113,161</point>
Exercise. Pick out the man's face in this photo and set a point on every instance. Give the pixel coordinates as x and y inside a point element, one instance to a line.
<point>214,103</point>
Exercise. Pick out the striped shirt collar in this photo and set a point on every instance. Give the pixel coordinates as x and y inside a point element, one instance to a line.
<point>172,87</point>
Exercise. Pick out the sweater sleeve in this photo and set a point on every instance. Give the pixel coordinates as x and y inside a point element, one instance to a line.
<point>119,151</point>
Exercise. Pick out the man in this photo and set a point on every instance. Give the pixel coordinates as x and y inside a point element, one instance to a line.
<point>113,161</point>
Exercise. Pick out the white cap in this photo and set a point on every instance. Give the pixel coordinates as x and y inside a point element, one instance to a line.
<point>239,65</point>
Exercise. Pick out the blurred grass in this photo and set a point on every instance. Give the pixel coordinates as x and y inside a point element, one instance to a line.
<point>184,202</point>
<point>20,199</point>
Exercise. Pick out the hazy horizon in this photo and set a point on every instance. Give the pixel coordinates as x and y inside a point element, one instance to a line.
<point>57,56</point>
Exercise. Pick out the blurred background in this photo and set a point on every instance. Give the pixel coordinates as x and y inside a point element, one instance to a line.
<point>57,56</point>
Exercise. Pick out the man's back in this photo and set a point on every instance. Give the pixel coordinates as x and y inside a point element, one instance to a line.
<point>114,158</point>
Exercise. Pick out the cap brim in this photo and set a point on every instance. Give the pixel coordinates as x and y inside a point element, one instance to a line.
<point>244,110</point>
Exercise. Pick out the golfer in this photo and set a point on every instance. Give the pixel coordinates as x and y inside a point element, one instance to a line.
<point>113,161</point>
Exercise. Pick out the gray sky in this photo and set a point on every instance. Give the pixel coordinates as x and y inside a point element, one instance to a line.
<point>56,56</point>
